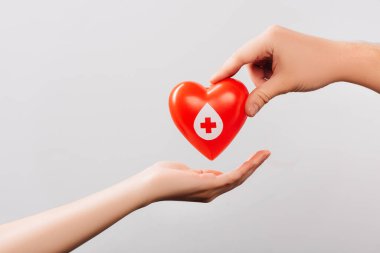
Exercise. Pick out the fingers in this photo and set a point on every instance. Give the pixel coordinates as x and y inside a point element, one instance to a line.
<point>248,53</point>
<point>229,68</point>
<point>234,178</point>
<point>219,183</point>
<point>255,162</point>
<point>248,167</point>
<point>262,94</point>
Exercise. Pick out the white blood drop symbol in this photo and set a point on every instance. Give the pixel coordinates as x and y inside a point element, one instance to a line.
<point>208,124</point>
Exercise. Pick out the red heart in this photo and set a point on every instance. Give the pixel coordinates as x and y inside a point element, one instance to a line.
<point>209,118</point>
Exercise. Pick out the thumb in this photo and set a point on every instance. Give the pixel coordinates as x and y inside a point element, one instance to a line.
<point>262,94</point>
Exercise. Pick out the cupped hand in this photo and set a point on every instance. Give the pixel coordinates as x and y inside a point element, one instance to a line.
<point>176,181</point>
<point>280,61</point>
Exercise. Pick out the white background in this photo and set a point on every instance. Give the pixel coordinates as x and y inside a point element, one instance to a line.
<point>83,104</point>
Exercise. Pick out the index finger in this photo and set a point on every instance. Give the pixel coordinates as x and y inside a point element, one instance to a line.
<point>246,54</point>
<point>239,175</point>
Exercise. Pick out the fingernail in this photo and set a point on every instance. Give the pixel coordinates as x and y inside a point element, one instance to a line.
<point>252,110</point>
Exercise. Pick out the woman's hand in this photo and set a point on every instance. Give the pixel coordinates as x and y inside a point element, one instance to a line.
<point>176,181</point>
<point>281,60</point>
<point>64,228</point>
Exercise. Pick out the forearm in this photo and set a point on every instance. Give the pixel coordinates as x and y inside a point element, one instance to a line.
<point>65,228</point>
<point>361,64</point>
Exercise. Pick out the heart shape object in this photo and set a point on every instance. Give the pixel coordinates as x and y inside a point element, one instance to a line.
<point>211,117</point>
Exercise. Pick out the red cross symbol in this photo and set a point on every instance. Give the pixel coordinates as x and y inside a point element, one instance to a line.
<point>208,125</point>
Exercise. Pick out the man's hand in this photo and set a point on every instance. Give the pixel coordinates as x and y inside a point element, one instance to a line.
<point>281,60</point>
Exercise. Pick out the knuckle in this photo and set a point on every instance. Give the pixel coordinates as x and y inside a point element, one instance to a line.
<point>261,96</point>
<point>273,30</point>
<point>229,181</point>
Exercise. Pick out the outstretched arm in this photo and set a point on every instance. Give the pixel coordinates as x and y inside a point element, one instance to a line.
<point>281,61</point>
<point>66,227</point>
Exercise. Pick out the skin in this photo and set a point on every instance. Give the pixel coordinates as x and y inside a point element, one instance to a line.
<point>278,61</point>
<point>281,61</point>
<point>64,228</point>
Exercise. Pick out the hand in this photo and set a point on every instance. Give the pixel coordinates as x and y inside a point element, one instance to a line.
<point>281,61</point>
<point>176,181</point>
<point>68,226</point>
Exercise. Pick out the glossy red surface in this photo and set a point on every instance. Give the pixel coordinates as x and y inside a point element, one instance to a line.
<point>227,98</point>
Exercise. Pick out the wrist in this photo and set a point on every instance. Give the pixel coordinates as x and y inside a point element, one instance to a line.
<point>360,64</point>
<point>339,55</point>
<point>137,190</point>
<point>145,186</point>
